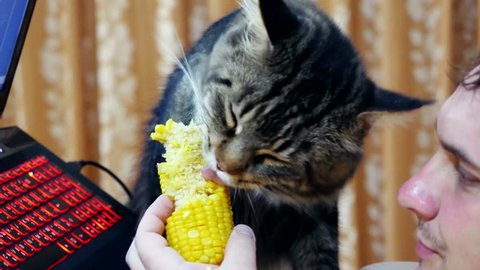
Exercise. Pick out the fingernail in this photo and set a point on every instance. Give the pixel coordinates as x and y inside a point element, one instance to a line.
<point>245,230</point>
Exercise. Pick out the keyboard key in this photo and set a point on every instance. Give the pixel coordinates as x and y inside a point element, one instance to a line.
<point>47,172</point>
<point>69,199</point>
<point>33,243</point>
<point>65,181</point>
<point>25,203</point>
<point>39,196</point>
<point>95,226</point>
<point>8,210</point>
<point>88,229</point>
<point>71,219</point>
<point>5,238</point>
<point>46,257</point>
<point>80,214</point>
<point>3,177</point>
<point>78,198</point>
<point>53,168</point>
<point>41,238</point>
<point>10,174</point>
<point>7,190</point>
<point>17,171</point>
<point>73,241</point>
<point>46,210</point>
<point>97,204</point>
<point>65,245</point>
<point>2,200</point>
<point>25,167</point>
<point>83,192</point>
<point>65,224</point>
<point>28,182</point>
<point>14,234</point>
<point>20,228</point>
<point>101,222</point>
<point>60,205</point>
<point>20,210</point>
<point>49,233</point>
<point>87,210</point>
<point>5,195</point>
<point>59,228</point>
<point>42,216</point>
<point>38,176</point>
<point>81,236</point>
<point>54,188</point>
<point>25,248</point>
<point>18,253</point>
<point>9,259</point>
<point>4,219</point>
<point>31,199</point>
<point>40,160</point>
<point>30,164</point>
<point>28,222</point>
<point>38,218</point>
<point>46,191</point>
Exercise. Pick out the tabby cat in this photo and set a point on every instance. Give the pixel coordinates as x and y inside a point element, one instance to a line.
<point>286,103</point>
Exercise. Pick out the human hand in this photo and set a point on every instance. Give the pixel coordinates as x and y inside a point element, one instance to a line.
<point>149,249</point>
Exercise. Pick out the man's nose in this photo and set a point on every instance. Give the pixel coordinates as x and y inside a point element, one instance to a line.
<point>419,193</point>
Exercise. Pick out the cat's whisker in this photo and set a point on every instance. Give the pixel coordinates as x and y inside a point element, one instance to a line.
<point>251,203</point>
<point>184,65</point>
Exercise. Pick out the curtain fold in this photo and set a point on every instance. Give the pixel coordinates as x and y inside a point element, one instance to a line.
<point>91,70</point>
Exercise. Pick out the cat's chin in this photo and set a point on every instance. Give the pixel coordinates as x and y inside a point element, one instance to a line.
<point>232,181</point>
<point>226,179</point>
<point>298,201</point>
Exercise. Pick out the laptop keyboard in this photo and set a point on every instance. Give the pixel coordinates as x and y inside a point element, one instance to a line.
<point>44,212</point>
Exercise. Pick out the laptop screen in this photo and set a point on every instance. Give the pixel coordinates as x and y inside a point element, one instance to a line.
<point>14,18</point>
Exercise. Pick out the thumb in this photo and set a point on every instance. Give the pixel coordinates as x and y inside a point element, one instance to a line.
<point>240,250</point>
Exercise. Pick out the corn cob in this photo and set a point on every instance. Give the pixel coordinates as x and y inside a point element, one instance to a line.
<point>202,221</point>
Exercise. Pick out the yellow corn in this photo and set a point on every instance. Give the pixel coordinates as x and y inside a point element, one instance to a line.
<point>202,221</point>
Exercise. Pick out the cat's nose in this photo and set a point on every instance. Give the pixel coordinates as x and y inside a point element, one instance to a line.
<point>230,167</point>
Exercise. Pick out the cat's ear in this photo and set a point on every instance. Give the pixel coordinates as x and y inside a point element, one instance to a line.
<point>387,101</point>
<point>279,20</point>
<point>384,101</point>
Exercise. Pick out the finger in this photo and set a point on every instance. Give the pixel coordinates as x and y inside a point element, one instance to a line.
<point>150,245</point>
<point>132,259</point>
<point>240,250</point>
<point>156,215</point>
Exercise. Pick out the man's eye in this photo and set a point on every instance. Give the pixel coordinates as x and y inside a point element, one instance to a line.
<point>465,177</point>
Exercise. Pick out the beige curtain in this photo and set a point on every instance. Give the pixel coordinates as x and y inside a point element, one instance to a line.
<point>91,71</point>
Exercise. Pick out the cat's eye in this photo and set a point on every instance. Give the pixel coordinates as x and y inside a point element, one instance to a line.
<point>223,81</point>
<point>268,157</point>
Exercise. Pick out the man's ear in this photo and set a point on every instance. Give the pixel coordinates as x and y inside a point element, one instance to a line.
<point>280,22</point>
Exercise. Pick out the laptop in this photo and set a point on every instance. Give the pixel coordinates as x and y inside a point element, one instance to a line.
<point>51,216</point>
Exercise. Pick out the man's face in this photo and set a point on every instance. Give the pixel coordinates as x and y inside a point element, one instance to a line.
<point>445,193</point>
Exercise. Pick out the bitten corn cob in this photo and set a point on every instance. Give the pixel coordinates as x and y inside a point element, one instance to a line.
<point>202,221</point>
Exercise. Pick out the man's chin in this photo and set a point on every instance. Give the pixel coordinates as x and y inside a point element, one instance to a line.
<point>430,264</point>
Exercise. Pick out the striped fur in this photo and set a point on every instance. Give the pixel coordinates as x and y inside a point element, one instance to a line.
<point>286,103</point>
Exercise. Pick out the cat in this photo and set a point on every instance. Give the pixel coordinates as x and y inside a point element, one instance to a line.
<point>286,103</point>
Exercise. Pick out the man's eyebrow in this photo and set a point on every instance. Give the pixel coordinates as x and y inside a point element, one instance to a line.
<point>459,153</point>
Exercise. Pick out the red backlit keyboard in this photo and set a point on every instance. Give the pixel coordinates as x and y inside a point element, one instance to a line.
<point>42,210</point>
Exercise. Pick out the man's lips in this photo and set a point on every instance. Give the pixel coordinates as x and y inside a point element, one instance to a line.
<point>424,251</point>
